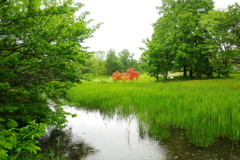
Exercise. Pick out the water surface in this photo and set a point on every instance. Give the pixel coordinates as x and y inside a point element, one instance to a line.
<point>100,137</point>
<point>94,136</point>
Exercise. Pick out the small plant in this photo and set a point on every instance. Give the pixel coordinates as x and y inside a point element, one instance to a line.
<point>18,139</point>
<point>129,75</point>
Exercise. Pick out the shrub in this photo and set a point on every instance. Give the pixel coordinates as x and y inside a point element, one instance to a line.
<point>129,75</point>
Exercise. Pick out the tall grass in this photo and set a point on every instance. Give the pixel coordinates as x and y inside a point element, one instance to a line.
<point>205,109</point>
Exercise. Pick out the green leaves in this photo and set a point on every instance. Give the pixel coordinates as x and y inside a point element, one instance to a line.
<point>190,36</point>
<point>40,54</point>
<point>222,37</point>
<point>3,154</point>
<point>12,124</point>
<point>38,39</point>
<point>112,64</point>
<point>7,142</point>
<point>20,139</point>
<point>7,122</point>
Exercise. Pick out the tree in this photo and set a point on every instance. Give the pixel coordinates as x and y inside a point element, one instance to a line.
<point>159,54</point>
<point>177,39</point>
<point>91,67</point>
<point>190,36</point>
<point>222,37</point>
<point>40,51</point>
<point>187,35</point>
<point>101,57</point>
<point>125,58</point>
<point>112,63</point>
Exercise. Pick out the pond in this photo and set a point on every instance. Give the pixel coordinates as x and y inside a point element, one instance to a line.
<point>94,136</point>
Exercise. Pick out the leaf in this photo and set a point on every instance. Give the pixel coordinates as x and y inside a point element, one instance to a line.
<point>12,123</point>
<point>19,149</point>
<point>3,154</point>
<point>37,148</point>
<point>12,109</point>
<point>1,119</point>
<point>1,126</point>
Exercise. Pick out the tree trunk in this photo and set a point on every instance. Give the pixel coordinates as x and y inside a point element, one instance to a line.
<point>185,71</point>
<point>191,73</point>
<point>226,66</point>
<point>157,77</point>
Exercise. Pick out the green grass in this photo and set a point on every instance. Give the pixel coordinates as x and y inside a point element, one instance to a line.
<point>52,155</point>
<point>204,109</point>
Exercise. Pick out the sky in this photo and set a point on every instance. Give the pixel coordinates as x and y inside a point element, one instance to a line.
<point>126,23</point>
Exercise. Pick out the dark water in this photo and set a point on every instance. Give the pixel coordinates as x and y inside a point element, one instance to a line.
<point>93,136</point>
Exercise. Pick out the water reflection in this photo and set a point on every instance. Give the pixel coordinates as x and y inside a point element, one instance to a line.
<point>60,142</point>
<point>178,148</point>
<point>98,137</point>
<point>93,136</point>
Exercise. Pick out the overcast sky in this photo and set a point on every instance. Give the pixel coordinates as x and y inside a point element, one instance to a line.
<point>126,23</point>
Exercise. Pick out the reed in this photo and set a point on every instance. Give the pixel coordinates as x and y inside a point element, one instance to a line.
<point>205,109</point>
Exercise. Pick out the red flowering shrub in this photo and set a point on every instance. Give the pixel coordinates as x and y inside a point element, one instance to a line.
<point>117,75</point>
<point>129,75</point>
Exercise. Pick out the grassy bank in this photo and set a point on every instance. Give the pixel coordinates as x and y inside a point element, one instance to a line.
<point>203,109</point>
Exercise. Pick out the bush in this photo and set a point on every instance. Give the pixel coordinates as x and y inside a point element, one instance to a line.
<point>129,75</point>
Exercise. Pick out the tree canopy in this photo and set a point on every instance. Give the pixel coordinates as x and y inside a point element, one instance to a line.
<point>185,38</point>
<point>120,62</point>
<point>222,37</point>
<point>40,49</point>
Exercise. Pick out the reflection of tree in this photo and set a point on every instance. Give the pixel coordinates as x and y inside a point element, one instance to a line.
<point>62,143</point>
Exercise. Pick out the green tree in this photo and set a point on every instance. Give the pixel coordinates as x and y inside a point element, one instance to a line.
<point>134,64</point>
<point>101,57</point>
<point>159,54</point>
<point>112,64</point>
<point>222,37</point>
<point>40,51</point>
<point>125,58</point>
<point>188,34</point>
<point>177,41</point>
<point>91,67</point>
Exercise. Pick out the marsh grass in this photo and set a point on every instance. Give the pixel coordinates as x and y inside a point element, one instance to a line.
<point>204,109</point>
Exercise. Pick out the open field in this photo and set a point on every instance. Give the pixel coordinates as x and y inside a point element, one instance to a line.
<point>203,109</point>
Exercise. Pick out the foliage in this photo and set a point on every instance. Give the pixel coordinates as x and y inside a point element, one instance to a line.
<point>203,109</point>
<point>40,51</point>
<point>126,60</point>
<point>129,75</point>
<point>19,139</point>
<point>176,41</point>
<point>101,57</point>
<point>112,64</point>
<point>222,37</point>
<point>190,36</point>
<point>90,66</point>
<point>115,62</point>
<point>158,57</point>
<point>100,63</point>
